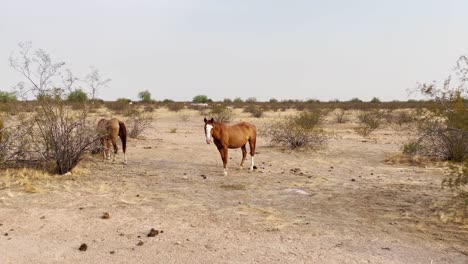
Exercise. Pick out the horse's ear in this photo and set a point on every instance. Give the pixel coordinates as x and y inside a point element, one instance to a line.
<point>212,120</point>
<point>205,120</point>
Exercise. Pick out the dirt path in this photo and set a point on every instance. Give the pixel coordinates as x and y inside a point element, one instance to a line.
<point>340,205</point>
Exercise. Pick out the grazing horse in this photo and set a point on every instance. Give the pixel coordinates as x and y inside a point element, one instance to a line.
<point>236,136</point>
<point>109,130</point>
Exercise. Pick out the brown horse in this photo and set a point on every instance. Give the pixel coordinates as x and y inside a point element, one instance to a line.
<point>109,130</point>
<point>236,136</point>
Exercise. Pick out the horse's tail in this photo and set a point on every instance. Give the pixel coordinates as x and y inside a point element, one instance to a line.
<point>123,135</point>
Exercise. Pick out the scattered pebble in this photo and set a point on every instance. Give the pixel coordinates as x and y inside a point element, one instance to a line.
<point>140,243</point>
<point>42,217</point>
<point>106,215</point>
<point>353,180</point>
<point>112,252</point>
<point>83,247</point>
<point>153,232</point>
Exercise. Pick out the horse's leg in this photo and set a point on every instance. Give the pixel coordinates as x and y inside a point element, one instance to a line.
<point>114,144</point>
<point>244,154</point>
<point>106,149</point>
<point>252,143</point>
<point>103,145</point>
<point>224,156</point>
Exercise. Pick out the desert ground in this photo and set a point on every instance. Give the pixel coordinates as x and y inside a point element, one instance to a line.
<point>351,202</point>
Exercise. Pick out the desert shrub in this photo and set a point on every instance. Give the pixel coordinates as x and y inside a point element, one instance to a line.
<point>299,131</point>
<point>54,132</point>
<point>138,123</point>
<point>443,131</point>
<point>375,100</point>
<point>222,114</point>
<point>251,100</point>
<point>7,97</point>
<point>369,121</point>
<point>119,106</point>
<point>273,100</point>
<point>145,96</point>
<point>340,116</point>
<point>173,130</point>
<point>402,118</point>
<point>227,100</point>
<point>148,108</point>
<point>238,100</point>
<point>254,110</point>
<point>458,181</point>
<point>66,135</point>
<point>77,96</point>
<point>199,99</point>
<point>175,107</point>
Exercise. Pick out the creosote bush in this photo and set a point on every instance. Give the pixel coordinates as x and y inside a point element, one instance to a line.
<point>254,110</point>
<point>299,131</point>
<point>369,121</point>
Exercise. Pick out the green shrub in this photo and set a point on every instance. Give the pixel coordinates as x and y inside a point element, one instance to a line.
<point>145,96</point>
<point>7,97</point>
<point>200,99</point>
<point>77,96</point>
<point>238,100</point>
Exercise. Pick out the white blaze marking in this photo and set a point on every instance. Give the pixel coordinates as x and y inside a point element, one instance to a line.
<point>208,132</point>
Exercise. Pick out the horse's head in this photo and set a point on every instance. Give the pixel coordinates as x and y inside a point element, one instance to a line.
<point>209,124</point>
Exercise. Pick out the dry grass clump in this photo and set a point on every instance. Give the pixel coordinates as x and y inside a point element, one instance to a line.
<point>31,180</point>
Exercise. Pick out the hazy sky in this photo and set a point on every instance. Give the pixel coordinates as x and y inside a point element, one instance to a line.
<point>294,49</point>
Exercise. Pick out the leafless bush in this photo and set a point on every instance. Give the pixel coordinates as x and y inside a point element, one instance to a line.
<point>55,132</point>
<point>65,135</point>
<point>437,140</point>
<point>300,131</point>
<point>340,116</point>
<point>370,121</point>
<point>138,123</point>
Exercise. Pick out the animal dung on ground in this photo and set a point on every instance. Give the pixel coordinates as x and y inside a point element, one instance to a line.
<point>106,215</point>
<point>83,247</point>
<point>153,232</point>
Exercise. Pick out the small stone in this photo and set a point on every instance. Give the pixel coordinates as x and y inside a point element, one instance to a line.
<point>153,232</point>
<point>83,247</point>
<point>112,252</point>
<point>42,217</point>
<point>140,243</point>
<point>353,180</point>
<point>106,215</point>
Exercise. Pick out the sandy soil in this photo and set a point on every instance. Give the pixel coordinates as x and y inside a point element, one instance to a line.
<point>344,204</point>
